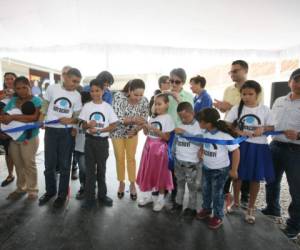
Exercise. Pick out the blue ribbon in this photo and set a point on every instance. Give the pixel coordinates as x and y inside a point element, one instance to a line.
<point>29,126</point>
<point>170,156</point>
<point>237,140</point>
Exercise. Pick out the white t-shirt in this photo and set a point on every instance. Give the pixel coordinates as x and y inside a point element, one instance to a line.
<point>252,118</point>
<point>286,114</point>
<point>14,124</point>
<point>80,138</point>
<point>103,114</point>
<point>163,122</point>
<point>215,155</point>
<point>186,150</point>
<point>62,103</point>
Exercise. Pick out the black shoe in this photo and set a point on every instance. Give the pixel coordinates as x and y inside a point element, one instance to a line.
<point>106,201</point>
<point>59,202</point>
<point>88,204</point>
<point>176,207</point>
<point>80,194</point>
<point>74,175</point>
<point>7,181</point>
<point>45,198</point>
<point>291,233</point>
<point>133,196</point>
<point>188,212</point>
<point>268,212</point>
<point>120,195</point>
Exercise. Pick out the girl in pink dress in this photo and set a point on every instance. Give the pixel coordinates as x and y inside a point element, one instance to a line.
<point>153,174</point>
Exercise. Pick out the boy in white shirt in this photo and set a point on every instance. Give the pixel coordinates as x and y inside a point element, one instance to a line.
<point>99,119</point>
<point>62,102</point>
<point>188,166</point>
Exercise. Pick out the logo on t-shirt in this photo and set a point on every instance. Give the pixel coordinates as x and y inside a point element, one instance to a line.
<point>249,122</point>
<point>62,105</point>
<point>210,149</point>
<point>156,125</point>
<point>182,143</point>
<point>99,118</point>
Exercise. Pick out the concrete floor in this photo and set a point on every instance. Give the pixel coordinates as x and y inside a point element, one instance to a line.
<point>25,225</point>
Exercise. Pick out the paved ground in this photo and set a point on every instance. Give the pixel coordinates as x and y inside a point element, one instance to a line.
<point>24,225</point>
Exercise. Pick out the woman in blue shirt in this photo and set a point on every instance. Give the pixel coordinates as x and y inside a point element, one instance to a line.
<point>202,99</point>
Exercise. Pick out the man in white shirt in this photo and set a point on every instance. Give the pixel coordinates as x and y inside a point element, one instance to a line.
<point>286,156</point>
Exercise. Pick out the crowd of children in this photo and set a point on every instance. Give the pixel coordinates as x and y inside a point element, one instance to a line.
<point>203,163</point>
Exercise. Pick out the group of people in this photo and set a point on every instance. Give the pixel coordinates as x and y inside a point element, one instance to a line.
<point>187,143</point>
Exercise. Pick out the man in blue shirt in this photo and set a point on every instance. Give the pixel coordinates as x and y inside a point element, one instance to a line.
<point>202,99</point>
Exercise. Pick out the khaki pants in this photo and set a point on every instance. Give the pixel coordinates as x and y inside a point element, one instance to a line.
<point>125,147</point>
<point>23,155</point>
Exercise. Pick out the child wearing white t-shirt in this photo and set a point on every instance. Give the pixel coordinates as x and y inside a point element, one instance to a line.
<point>216,165</point>
<point>154,174</point>
<point>252,119</point>
<point>188,167</point>
<point>62,103</point>
<point>99,119</point>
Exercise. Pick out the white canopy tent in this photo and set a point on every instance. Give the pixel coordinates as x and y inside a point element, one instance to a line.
<point>138,36</point>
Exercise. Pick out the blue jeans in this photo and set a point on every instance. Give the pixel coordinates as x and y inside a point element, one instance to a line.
<point>213,181</point>
<point>58,146</point>
<point>80,159</point>
<point>286,158</point>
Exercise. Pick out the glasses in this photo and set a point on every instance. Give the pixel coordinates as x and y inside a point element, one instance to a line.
<point>75,82</point>
<point>177,82</point>
<point>233,71</point>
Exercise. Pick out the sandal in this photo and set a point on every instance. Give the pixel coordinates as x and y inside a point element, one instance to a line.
<point>15,195</point>
<point>32,196</point>
<point>249,218</point>
<point>8,180</point>
<point>121,190</point>
<point>235,207</point>
<point>133,194</point>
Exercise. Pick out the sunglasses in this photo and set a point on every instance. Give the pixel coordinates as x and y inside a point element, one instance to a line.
<point>177,82</point>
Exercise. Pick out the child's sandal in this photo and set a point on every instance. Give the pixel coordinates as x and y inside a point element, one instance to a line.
<point>234,208</point>
<point>249,218</point>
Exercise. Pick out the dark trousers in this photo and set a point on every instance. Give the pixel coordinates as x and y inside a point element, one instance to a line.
<point>73,156</point>
<point>58,143</point>
<point>96,154</point>
<point>286,158</point>
<point>80,159</point>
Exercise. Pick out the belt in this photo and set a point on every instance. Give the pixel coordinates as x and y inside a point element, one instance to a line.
<point>290,145</point>
<point>97,138</point>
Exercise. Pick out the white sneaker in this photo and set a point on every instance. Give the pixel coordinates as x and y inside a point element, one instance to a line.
<point>154,198</point>
<point>145,200</point>
<point>159,204</point>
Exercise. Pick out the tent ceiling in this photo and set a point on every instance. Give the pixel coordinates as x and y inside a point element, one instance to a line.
<point>214,24</point>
